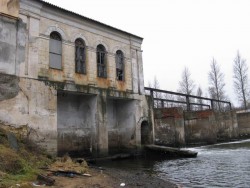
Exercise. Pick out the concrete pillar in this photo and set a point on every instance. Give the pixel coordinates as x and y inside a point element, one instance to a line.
<point>33,27</point>
<point>101,123</point>
<point>111,70</point>
<point>91,65</point>
<point>140,72</point>
<point>134,70</point>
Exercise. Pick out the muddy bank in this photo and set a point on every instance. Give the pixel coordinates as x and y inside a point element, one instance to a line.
<point>111,177</point>
<point>138,179</point>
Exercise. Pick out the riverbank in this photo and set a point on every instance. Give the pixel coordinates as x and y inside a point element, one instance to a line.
<point>22,160</point>
<point>112,177</point>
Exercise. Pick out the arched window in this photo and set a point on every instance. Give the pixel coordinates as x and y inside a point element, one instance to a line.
<point>55,51</point>
<point>80,65</point>
<point>101,61</point>
<point>119,65</point>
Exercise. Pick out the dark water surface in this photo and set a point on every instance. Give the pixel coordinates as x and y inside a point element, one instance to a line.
<point>220,165</point>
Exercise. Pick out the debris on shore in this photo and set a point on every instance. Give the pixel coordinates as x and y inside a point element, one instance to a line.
<point>66,165</point>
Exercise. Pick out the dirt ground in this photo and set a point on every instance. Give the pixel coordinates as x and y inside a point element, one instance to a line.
<point>109,178</point>
<point>21,160</point>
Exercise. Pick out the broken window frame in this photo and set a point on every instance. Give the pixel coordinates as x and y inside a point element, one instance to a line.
<point>80,56</point>
<point>119,65</point>
<point>55,51</point>
<point>101,61</point>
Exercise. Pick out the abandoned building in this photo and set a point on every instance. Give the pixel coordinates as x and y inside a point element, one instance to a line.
<point>73,84</point>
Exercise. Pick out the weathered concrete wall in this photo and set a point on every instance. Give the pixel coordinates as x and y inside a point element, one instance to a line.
<point>121,125</point>
<point>206,127</point>
<point>12,45</point>
<point>227,127</point>
<point>175,127</point>
<point>65,111</point>
<point>76,124</point>
<point>35,107</point>
<point>200,127</point>
<point>8,32</point>
<point>42,19</point>
<point>169,126</point>
<point>145,126</point>
<point>243,119</point>
<point>9,87</point>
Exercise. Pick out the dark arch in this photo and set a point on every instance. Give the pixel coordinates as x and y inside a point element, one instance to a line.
<point>56,36</point>
<point>145,133</point>
<point>101,48</point>
<point>80,42</point>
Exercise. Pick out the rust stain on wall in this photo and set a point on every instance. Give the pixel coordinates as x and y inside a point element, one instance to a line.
<point>103,82</point>
<point>81,79</point>
<point>204,114</point>
<point>121,86</point>
<point>169,112</point>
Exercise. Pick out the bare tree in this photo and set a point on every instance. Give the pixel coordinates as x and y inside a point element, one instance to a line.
<point>186,85</point>
<point>199,94</point>
<point>149,84</point>
<point>240,76</point>
<point>216,82</point>
<point>156,84</point>
<point>169,97</point>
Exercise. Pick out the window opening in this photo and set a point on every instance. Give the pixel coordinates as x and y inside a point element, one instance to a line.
<point>101,61</point>
<point>55,51</point>
<point>119,65</point>
<point>80,65</point>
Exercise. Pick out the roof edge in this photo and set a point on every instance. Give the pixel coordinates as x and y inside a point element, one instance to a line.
<point>89,19</point>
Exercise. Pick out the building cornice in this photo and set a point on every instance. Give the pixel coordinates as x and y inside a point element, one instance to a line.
<point>47,4</point>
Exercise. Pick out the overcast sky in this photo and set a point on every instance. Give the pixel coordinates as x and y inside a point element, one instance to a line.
<point>178,33</point>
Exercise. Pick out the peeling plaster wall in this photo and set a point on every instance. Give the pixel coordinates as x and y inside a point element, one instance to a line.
<point>121,124</point>
<point>64,111</point>
<point>12,44</point>
<point>34,106</point>
<point>8,86</point>
<point>76,124</point>
<point>8,40</point>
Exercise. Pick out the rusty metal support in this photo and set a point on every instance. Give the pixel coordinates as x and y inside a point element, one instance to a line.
<point>212,104</point>
<point>188,103</point>
<point>162,103</point>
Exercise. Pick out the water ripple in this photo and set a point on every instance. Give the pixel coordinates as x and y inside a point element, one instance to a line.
<point>221,165</point>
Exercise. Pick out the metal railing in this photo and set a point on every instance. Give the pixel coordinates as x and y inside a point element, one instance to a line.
<point>189,101</point>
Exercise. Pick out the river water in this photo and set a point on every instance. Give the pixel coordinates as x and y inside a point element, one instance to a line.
<point>220,165</point>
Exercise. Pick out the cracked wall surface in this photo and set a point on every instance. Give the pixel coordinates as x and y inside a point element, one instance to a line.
<point>64,111</point>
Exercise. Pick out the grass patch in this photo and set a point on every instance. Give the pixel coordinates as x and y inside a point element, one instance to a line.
<point>22,165</point>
